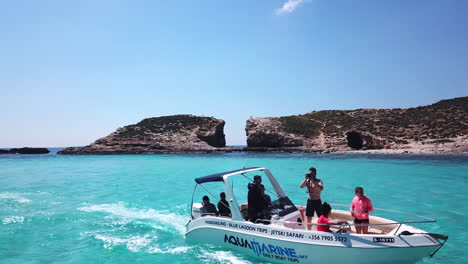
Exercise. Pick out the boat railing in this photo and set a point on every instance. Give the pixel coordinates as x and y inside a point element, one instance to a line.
<point>347,224</point>
<point>428,219</point>
<point>399,223</point>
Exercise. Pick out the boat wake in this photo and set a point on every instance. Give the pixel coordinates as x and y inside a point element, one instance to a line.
<point>158,232</point>
<point>133,243</point>
<point>12,220</point>
<point>157,219</point>
<point>220,256</point>
<point>14,197</point>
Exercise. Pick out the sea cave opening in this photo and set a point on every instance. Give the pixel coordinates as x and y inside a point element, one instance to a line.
<point>354,140</point>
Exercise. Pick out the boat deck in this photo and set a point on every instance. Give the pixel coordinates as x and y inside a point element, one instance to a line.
<point>340,216</point>
<point>375,227</point>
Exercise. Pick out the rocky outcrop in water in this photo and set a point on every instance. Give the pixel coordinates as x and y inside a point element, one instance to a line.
<point>25,151</point>
<point>166,134</point>
<point>438,128</point>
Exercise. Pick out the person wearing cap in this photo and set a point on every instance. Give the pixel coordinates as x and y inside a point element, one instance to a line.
<point>314,188</point>
<point>208,208</point>
<point>255,199</point>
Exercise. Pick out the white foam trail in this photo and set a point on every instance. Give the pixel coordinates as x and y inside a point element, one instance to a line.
<point>14,196</point>
<point>13,219</point>
<point>120,210</point>
<point>133,243</point>
<point>221,257</point>
<point>158,227</point>
<point>109,241</point>
<point>139,244</point>
<point>176,250</point>
<point>124,221</point>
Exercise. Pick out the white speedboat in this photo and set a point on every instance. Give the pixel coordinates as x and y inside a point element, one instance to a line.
<point>284,238</point>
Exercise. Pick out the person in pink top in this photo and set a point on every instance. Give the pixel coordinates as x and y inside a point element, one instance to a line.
<point>360,208</point>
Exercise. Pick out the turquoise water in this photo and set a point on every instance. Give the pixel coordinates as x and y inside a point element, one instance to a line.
<point>121,209</point>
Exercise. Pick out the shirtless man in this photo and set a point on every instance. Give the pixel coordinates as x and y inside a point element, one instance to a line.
<point>314,188</point>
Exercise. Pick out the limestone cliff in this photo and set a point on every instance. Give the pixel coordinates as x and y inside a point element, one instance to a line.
<point>438,128</point>
<point>166,134</point>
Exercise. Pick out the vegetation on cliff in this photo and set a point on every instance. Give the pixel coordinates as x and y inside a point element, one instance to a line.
<point>300,125</point>
<point>166,134</point>
<point>164,124</point>
<point>445,119</point>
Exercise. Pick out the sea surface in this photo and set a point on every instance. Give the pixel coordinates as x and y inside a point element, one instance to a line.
<point>133,208</point>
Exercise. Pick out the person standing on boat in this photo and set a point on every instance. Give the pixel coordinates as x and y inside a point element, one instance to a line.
<point>208,208</point>
<point>266,197</point>
<point>360,208</point>
<point>255,199</point>
<point>223,206</point>
<point>266,203</point>
<point>314,188</point>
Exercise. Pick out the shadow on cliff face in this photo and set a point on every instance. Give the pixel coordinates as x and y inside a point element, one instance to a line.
<point>218,139</point>
<point>272,140</point>
<point>265,140</point>
<point>357,140</point>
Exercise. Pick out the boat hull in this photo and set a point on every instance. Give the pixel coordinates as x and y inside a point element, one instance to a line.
<point>257,241</point>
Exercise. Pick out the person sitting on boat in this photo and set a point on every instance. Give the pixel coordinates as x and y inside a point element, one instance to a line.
<point>360,208</point>
<point>208,208</point>
<point>255,199</point>
<point>324,219</point>
<point>223,205</point>
<point>314,188</point>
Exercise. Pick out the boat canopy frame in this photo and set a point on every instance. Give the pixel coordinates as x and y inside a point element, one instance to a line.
<point>230,197</point>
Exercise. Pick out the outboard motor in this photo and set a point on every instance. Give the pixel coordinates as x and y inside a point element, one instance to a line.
<point>196,210</point>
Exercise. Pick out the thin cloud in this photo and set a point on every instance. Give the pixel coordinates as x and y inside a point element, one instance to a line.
<point>289,7</point>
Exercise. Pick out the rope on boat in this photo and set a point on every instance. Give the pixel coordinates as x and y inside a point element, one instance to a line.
<point>212,195</point>
<point>263,185</point>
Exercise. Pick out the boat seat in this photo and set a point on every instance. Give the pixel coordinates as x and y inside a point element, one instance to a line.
<point>244,211</point>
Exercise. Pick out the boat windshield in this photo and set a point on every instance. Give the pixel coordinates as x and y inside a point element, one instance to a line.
<point>282,207</point>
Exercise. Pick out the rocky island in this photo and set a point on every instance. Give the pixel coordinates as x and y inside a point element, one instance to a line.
<point>166,134</point>
<point>438,128</point>
<point>24,151</point>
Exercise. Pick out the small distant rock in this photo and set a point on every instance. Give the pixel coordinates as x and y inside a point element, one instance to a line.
<point>25,151</point>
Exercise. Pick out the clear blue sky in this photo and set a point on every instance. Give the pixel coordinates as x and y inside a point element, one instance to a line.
<point>74,71</point>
